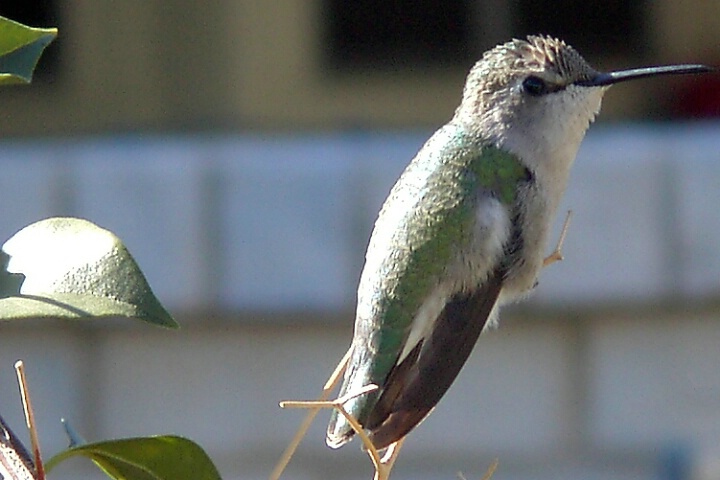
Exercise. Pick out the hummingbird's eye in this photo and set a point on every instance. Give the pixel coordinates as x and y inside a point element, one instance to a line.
<point>535,86</point>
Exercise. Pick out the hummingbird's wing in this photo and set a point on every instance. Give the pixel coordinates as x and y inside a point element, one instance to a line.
<point>433,272</point>
<point>417,384</point>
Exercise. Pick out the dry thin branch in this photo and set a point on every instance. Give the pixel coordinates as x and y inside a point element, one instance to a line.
<point>382,465</point>
<point>29,418</point>
<point>488,474</point>
<point>338,405</point>
<point>307,421</point>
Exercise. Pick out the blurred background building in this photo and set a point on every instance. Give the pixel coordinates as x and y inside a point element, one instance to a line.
<point>242,149</point>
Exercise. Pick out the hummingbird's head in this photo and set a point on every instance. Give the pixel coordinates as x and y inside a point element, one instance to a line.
<point>527,95</point>
<point>536,67</point>
<point>537,97</point>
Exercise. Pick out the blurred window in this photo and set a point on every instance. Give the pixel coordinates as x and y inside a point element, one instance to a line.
<point>396,34</point>
<point>593,27</point>
<point>402,34</point>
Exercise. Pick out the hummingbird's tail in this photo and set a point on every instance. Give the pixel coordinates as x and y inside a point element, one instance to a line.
<point>338,433</point>
<point>339,430</point>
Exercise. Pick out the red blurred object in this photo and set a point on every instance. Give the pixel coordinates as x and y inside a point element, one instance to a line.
<point>699,97</point>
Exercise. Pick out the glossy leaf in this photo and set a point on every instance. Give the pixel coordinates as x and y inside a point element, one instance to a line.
<point>20,50</point>
<point>148,458</point>
<point>71,268</point>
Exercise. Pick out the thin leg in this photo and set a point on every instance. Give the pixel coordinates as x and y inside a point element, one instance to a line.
<point>557,255</point>
<point>305,425</point>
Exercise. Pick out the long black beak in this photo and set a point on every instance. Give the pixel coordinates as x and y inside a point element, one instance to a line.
<point>604,79</point>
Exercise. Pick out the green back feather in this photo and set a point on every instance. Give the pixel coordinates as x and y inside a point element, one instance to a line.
<point>428,217</point>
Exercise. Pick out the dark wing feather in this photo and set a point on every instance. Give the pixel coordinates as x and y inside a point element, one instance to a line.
<point>417,384</point>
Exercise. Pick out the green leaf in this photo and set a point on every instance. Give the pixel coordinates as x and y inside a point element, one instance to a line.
<point>148,458</point>
<point>20,50</point>
<point>71,268</point>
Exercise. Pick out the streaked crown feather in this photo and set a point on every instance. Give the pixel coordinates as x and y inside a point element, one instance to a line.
<point>547,57</point>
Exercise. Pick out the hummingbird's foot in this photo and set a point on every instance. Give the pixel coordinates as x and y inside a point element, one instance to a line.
<point>557,255</point>
<point>307,421</point>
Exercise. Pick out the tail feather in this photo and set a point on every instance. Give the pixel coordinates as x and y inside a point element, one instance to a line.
<point>357,376</point>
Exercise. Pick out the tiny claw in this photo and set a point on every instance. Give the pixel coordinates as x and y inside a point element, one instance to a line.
<point>557,255</point>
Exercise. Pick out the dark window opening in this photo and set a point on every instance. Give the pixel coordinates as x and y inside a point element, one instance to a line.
<point>593,27</point>
<point>397,34</point>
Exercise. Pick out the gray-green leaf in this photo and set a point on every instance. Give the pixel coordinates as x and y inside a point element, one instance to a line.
<point>148,458</point>
<point>71,268</point>
<point>20,50</point>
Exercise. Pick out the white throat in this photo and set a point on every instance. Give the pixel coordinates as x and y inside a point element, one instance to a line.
<point>547,135</point>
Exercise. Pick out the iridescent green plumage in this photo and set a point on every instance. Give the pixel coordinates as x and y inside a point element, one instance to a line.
<point>430,218</point>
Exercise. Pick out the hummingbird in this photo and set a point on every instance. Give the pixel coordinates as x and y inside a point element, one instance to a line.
<point>465,228</point>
